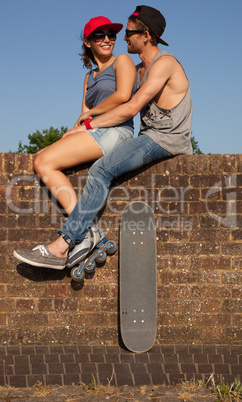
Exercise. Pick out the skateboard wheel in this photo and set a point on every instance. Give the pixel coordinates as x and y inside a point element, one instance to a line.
<point>76,274</point>
<point>112,247</point>
<point>101,257</point>
<point>90,267</point>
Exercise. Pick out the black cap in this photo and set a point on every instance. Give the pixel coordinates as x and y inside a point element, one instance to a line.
<point>153,19</point>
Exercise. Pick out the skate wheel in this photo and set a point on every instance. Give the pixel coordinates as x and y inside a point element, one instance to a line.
<point>112,247</point>
<point>101,257</point>
<point>90,267</point>
<point>76,274</point>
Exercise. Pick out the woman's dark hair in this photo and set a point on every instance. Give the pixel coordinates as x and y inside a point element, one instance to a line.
<point>141,26</point>
<point>87,56</point>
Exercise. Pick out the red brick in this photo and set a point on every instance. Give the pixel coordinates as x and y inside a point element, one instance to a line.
<point>9,163</point>
<point>208,276</point>
<point>212,334</point>
<point>237,235</point>
<point>229,163</point>
<point>236,291</point>
<point>189,163</point>
<point>207,197</point>
<point>232,249</point>
<point>233,306</point>
<point>3,234</point>
<point>159,180</point>
<point>239,178</point>
<point>215,162</point>
<point>2,207</point>
<point>210,320</point>
<point>174,165</point>
<point>25,305</point>
<point>179,181</point>
<point>197,207</point>
<point>6,305</point>
<point>210,262</point>
<point>180,277</point>
<point>202,164</point>
<point>216,207</point>
<point>3,320</point>
<point>237,320</point>
<point>232,278</point>
<point>28,320</point>
<point>203,234</point>
<point>2,289</point>
<point>208,221</point>
<point>177,235</point>
<point>24,163</point>
<point>205,180</point>
<point>239,208</point>
<point>25,290</point>
<point>211,291</point>
<point>57,290</point>
<point>181,291</point>
<point>25,193</point>
<point>57,305</point>
<point>160,167</point>
<point>179,249</point>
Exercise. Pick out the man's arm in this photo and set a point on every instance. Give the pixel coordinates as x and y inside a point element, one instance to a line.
<point>158,75</point>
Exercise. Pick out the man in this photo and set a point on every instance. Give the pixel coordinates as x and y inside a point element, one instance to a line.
<point>164,102</point>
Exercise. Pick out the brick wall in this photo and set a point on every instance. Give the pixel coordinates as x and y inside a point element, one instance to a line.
<point>197,202</point>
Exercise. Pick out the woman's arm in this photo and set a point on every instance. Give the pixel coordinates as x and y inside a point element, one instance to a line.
<point>125,76</point>
<point>85,109</point>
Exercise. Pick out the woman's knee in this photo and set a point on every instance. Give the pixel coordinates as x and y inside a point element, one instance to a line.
<point>40,164</point>
<point>37,163</point>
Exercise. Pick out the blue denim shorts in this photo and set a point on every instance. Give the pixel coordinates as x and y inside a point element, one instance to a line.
<point>108,138</point>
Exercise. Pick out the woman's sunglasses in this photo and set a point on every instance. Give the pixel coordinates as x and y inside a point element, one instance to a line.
<point>99,36</point>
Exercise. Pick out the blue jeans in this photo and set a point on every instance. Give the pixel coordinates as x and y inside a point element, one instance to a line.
<point>132,154</point>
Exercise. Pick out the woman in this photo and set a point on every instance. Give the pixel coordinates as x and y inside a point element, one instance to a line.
<point>110,84</point>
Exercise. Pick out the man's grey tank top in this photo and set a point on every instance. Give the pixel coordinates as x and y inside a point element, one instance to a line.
<point>170,128</point>
<point>100,88</point>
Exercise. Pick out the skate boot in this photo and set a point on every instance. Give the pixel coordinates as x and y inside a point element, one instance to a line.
<point>93,249</point>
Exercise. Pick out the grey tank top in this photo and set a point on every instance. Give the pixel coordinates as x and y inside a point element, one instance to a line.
<point>100,88</point>
<point>170,128</point>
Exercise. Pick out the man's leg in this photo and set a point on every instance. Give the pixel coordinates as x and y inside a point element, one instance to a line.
<point>128,156</point>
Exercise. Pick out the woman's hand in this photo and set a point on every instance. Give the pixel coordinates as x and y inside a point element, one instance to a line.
<point>82,118</point>
<point>74,130</point>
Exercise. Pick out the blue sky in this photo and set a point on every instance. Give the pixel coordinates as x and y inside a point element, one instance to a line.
<point>42,75</point>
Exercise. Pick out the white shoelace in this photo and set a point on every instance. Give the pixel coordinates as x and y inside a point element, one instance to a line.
<point>42,249</point>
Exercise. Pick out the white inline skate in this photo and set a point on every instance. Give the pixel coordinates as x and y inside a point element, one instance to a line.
<point>93,249</point>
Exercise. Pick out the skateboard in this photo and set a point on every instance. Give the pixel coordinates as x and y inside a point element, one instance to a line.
<point>98,255</point>
<point>138,299</point>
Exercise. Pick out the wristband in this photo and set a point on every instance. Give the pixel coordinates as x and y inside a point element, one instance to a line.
<point>87,124</point>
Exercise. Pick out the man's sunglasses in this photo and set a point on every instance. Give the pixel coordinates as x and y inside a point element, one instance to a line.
<point>130,32</point>
<point>99,36</point>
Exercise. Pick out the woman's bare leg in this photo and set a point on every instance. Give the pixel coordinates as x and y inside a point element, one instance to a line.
<point>70,151</point>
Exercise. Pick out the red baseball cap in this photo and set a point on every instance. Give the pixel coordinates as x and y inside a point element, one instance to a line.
<point>100,23</point>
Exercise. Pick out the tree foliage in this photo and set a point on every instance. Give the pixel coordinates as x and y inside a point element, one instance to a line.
<point>195,147</point>
<point>39,140</point>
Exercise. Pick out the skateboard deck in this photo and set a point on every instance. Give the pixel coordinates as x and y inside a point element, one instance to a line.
<point>138,304</point>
